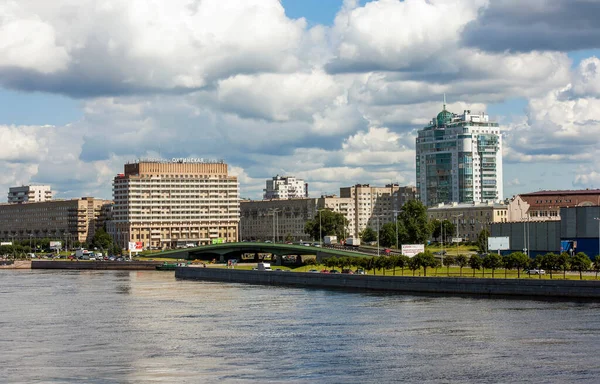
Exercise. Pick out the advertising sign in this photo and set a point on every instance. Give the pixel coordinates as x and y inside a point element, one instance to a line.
<point>457,239</point>
<point>6,243</point>
<point>55,245</point>
<point>412,249</point>
<point>498,243</point>
<point>218,240</point>
<point>136,246</point>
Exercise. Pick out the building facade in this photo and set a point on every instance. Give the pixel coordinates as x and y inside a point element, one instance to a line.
<point>29,193</point>
<point>285,187</point>
<point>167,204</point>
<point>470,219</point>
<point>546,205</point>
<point>61,220</point>
<point>459,159</point>
<point>375,206</point>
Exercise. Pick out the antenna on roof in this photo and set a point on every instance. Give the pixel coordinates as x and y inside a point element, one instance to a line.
<point>444,101</point>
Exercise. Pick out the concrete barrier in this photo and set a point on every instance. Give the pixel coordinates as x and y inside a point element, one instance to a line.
<point>585,289</point>
<point>101,265</point>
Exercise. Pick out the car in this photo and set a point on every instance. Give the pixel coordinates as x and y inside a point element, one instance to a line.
<point>334,271</point>
<point>306,244</point>
<point>348,271</point>
<point>268,241</point>
<point>313,271</point>
<point>360,272</point>
<point>325,271</point>
<point>535,272</point>
<point>316,245</point>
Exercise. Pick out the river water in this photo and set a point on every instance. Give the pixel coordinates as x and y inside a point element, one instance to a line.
<point>144,327</point>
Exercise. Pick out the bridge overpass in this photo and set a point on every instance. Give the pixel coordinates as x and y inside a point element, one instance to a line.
<point>228,251</point>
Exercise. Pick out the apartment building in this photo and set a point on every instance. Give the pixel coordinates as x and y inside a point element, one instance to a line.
<point>546,205</point>
<point>66,220</point>
<point>166,204</point>
<point>459,159</point>
<point>285,187</point>
<point>470,218</point>
<point>375,206</point>
<point>29,193</point>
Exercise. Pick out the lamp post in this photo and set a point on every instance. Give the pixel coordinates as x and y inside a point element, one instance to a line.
<point>397,211</point>
<point>273,212</point>
<point>320,228</point>
<point>13,245</point>
<point>457,216</point>
<point>598,220</point>
<point>377,216</point>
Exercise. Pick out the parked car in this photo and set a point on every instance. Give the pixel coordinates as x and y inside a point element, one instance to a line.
<point>348,271</point>
<point>360,272</point>
<point>313,271</point>
<point>324,271</point>
<point>535,272</point>
<point>334,271</point>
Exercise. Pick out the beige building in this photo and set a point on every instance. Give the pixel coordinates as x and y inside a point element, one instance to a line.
<point>471,218</point>
<point>276,219</point>
<point>166,204</point>
<point>29,193</point>
<point>375,206</point>
<point>64,220</point>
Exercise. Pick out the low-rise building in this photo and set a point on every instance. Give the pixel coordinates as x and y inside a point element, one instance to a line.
<point>546,205</point>
<point>66,220</point>
<point>470,218</point>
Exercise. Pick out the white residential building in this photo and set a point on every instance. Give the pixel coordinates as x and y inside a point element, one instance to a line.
<point>168,204</point>
<point>29,193</point>
<point>459,159</point>
<point>285,187</point>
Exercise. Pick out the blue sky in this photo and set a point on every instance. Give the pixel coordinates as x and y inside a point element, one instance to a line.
<point>84,90</point>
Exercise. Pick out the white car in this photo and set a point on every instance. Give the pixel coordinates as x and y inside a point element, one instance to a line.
<point>536,272</point>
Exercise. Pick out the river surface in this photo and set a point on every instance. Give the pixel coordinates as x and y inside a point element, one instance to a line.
<point>148,327</point>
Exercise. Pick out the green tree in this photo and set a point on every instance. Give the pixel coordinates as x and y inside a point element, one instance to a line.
<point>425,260</point>
<point>492,261</point>
<point>475,263</point>
<point>439,228</point>
<point>330,223</point>
<point>580,261</point>
<point>449,261</point>
<point>403,262</point>
<point>563,262</point>
<point>537,263</point>
<point>387,235</point>
<point>102,240</point>
<point>413,225</point>
<point>461,261</point>
<point>368,235</point>
<point>414,264</point>
<point>549,262</point>
<point>289,238</point>
<point>482,240</point>
<point>519,260</point>
<point>394,260</point>
<point>597,265</point>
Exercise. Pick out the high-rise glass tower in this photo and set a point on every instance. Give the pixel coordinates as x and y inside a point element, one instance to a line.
<point>459,159</point>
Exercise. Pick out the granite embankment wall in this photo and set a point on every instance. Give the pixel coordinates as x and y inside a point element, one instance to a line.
<point>113,265</point>
<point>586,289</point>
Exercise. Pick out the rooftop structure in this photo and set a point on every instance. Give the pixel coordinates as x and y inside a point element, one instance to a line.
<point>29,193</point>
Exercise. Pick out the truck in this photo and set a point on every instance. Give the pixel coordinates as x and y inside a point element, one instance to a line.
<point>330,240</point>
<point>79,253</point>
<point>264,267</point>
<point>353,241</point>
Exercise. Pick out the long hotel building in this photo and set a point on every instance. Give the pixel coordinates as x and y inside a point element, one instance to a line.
<point>166,204</point>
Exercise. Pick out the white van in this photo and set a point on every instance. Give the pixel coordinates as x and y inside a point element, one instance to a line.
<point>264,267</point>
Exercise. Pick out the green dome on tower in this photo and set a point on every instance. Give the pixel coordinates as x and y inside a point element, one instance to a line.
<point>444,117</point>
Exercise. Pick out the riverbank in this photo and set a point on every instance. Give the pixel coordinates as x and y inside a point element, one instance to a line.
<point>18,264</point>
<point>576,289</point>
<point>100,265</point>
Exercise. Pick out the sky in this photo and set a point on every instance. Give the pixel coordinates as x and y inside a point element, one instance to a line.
<point>331,91</point>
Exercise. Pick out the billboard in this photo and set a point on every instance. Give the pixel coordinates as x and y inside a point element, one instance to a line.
<point>412,249</point>
<point>498,243</point>
<point>457,239</point>
<point>136,246</point>
<point>55,245</point>
<point>218,240</point>
<point>6,243</point>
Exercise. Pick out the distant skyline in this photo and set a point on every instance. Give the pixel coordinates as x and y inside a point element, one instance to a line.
<point>329,91</point>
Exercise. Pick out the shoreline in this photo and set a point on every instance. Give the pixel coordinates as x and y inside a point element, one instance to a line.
<point>526,288</point>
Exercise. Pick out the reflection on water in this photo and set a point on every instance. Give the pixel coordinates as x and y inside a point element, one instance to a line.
<point>145,326</point>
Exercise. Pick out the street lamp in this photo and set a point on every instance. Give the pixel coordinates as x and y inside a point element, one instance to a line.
<point>320,228</point>
<point>598,220</point>
<point>377,216</point>
<point>397,211</point>
<point>457,216</point>
<point>273,212</point>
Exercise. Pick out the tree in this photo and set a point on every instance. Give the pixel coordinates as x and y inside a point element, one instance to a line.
<point>461,261</point>
<point>562,262</point>
<point>289,238</point>
<point>492,261</point>
<point>368,235</point>
<point>403,262</point>
<point>537,263</point>
<point>425,260</point>
<point>102,240</point>
<point>413,264</point>
<point>519,260</point>
<point>549,262</point>
<point>597,265</point>
<point>442,230</point>
<point>580,261</point>
<point>387,235</point>
<point>413,226</point>
<point>448,261</point>
<point>482,240</point>
<point>394,260</point>
<point>475,263</point>
<point>329,223</point>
